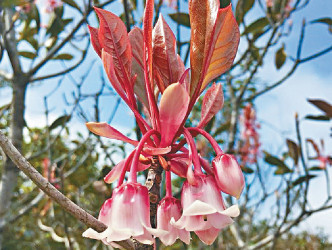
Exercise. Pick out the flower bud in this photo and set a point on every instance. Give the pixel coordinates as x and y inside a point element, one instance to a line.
<point>228,175</point>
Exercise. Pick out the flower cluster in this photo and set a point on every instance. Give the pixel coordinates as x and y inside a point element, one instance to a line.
<point>144,64</point>
<point>249,148</point>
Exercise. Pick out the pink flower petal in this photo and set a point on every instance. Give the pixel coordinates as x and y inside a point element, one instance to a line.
<point>104,129</point>
<point>145,238</point>
<point>208,236</point>
<point>173,108</point>
<point>219,221</point>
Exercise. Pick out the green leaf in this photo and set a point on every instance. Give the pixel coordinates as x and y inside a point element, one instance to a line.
<point>317,117</point>
<point>59,121</point>
<point>224,3</point>
<point>242,7</point>
<point>57,24</point>
<point>27,54</point>
<point>274,161</point>
<point>282,170</point>
<point>323,106</point>
<point>181,18</point>
<point>324,20</point>
<point>293,150</point>
<point>302,179</point>
<point>72,3</point>
<point>247,170</point>
<point>33,42</point>
<point>315,168</point>
<point>257,25</point>
<point>64,56</point>
<point>221,128</point>
<point>280,57</point>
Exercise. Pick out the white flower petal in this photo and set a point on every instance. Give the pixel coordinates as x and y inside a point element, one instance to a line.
<point>199,208</point>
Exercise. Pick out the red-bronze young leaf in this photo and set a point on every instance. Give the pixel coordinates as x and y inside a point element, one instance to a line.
<point>147,29</point>
<point>137,43</point>
<point>212,102</point>
<point>165,59</point>
<point>203,14</point>
<point>107,60</point>
<point>94,40</point>
<point>113,38</point>
<point>223,46</point>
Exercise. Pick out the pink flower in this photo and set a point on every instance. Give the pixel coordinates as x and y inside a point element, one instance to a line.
<point>126,214</point>
<point>169,208</point>
<point>228,175</point>
<point>204,210</point>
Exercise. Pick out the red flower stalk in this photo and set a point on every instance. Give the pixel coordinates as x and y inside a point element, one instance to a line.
<point>144,66</point>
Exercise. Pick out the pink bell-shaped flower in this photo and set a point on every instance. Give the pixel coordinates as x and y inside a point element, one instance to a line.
<point>204,210</point>
<point>169,208</point>
<point>126,214</point>
<point>228,175</point>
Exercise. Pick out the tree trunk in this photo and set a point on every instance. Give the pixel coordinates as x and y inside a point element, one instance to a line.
<point>152,182</point>
<point>10,171</point>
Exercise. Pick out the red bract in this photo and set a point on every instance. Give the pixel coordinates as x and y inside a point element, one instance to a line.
<point>144,66</point>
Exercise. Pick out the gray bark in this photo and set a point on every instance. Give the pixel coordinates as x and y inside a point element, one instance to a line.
<point>19,85</point>
<point>10,171</point>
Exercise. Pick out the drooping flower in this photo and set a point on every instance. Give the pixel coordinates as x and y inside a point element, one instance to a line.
<point>204,210</point>
<point>228,175</point>
<point>126,214</point>
<point>169,208</point>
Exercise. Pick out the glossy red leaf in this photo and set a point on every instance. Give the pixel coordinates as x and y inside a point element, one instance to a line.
<point>94,40</point>
<point>114,39</point>
<point>213,101</point>
<point>110,71</point>
<point>165,58</point>
<point>223,46</point>
<point>136,40</point>
<point>173,108</point>
<point>105,130</point>
<point>203,14</point>
<point>147,31</point>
